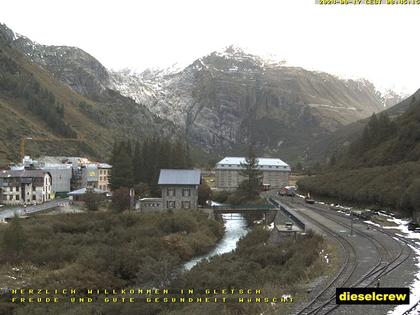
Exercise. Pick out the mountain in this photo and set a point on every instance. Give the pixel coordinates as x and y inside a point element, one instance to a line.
<point>59,97</point>
<point>227,98</point>
<point>337,143</point>
<point>380,166</point>
<point>220,103</point>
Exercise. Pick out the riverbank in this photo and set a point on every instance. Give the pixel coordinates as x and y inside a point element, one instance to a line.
<point>236,227</point>
<point>282,271</point>
<point>145,251</point>
<point>103,250</point>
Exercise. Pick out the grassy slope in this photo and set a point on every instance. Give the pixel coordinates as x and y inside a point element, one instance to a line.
<point>18,122</point>
<point>98,123</point>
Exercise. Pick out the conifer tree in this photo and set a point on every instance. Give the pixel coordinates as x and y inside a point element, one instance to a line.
<point>122,168</point>
<point>138,164</point>
<point>249,188</point>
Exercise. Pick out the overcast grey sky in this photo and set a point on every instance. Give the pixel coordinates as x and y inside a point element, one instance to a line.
<point>379,43</point>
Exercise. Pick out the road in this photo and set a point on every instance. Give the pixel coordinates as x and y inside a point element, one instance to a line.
<point>10,212</point>
<point>366,256</point>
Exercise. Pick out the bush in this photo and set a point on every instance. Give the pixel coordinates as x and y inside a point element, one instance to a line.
<point>220,196</point>
<point>121,199</point>
<point>92,200</point>
<point>204,194</point>
<point>176,223</point>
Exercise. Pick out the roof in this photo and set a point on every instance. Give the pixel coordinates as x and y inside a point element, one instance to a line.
<point>82,191</point>
<point>151,199</point>
<point>179,177</point>
<point>104,165</point>
<point>22,173</point>
<point>263,163</point>
<point>55,166</point>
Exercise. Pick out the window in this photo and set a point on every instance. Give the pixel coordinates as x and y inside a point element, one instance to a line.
<point>17,189</point>
<point>186,204</point>
<point>170,192</point>
<point>170,204</point>
<point>186,192</point>
<point>17,197</point>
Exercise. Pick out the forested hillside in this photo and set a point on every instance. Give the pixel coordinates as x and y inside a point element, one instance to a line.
<point>337,142</point>
<point>380,167</point>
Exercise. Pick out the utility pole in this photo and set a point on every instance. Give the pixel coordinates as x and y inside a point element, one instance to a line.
<point>351,222</point>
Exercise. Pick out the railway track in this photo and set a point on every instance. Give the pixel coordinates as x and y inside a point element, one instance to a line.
<point>322,303</point>
<point>404,253</point>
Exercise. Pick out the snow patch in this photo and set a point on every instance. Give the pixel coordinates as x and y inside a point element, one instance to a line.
<point>414,292</point>
<point>373,223</point>
<point>269,227</point>
<point>325,256</point>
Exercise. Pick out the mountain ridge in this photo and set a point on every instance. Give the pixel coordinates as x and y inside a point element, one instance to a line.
<point>222,101</point>
<point>36,104</point>
<point>187,96</point>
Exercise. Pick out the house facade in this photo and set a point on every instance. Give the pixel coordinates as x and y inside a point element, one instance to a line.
<point>179,188</point>
<point>104,176</point>
<point>25,186</point>
<point>275,173</point>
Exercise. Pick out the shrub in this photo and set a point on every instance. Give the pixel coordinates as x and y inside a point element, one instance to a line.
<point>220,196</point>
<point>121,199</point>
<point>92,200</point>
<point>177,223</point>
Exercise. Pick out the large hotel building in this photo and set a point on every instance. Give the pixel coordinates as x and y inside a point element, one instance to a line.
<point>275,172</point>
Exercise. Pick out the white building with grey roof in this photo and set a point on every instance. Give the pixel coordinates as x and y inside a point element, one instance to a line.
<point>275,173</point>
<point>179,188</point>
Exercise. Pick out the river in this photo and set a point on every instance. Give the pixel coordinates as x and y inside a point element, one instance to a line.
<point>235,228</point>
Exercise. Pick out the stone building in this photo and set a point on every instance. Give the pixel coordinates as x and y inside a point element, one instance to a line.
<point>275,173</point>
<point>179,188</point>
<point>25,186</point>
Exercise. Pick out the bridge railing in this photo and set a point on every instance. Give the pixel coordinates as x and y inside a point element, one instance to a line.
<point>298,222</point>
<point>245,207</point>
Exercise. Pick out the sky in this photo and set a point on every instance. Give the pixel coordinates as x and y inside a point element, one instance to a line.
<point>379,43</point>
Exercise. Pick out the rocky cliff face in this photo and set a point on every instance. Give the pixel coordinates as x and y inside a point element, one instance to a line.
<point>229,98</point>
<point>70,65</point>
